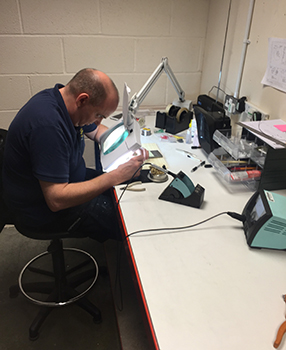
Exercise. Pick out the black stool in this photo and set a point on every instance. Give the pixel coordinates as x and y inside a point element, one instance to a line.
<point>65,281</point>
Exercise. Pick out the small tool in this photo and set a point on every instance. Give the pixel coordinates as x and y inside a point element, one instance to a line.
<point>188,154</point>
<point>130,187</point>
<point>196,167</point>
<point>281,331</point>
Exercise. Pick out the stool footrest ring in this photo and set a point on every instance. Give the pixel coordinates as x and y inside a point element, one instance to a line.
<point>67,290</point>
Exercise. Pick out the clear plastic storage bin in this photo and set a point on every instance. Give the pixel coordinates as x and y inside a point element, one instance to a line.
<point>234,171</point>
<point>236,147</point>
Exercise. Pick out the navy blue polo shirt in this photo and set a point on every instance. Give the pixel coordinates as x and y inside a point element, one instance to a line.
<point>42,144</point>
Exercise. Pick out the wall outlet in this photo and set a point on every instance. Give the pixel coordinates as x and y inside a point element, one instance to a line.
<point>251,110</point>
<point>230,104</point>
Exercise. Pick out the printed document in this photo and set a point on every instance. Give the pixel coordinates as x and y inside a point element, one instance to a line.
<point>275,75</point>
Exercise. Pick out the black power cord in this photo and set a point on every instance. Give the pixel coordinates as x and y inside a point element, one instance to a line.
<point>128,182</point>
<point>117,283</point>
<point>234,215</point>
<point>231,214</point>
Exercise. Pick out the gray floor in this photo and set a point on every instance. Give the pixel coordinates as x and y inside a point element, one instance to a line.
<point>69,327</point>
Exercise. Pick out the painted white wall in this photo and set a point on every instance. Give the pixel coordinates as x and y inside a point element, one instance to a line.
<point>46,42</point>
<point>269,20</point>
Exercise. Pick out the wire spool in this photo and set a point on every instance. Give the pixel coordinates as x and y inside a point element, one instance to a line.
<point>145,131</point>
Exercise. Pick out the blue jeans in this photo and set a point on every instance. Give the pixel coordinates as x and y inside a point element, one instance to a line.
<point>96,219</point>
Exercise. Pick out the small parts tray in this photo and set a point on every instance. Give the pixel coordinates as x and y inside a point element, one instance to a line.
<point>234,171</point>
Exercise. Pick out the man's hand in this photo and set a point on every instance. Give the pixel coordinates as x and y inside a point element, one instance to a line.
<point>60,196</point>
<point>128,169</point>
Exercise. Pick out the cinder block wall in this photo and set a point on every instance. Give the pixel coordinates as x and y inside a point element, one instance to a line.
<point>47,42</point>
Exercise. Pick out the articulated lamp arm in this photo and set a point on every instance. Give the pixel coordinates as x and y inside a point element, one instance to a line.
<point>124,138</point>
<point>138,98</point>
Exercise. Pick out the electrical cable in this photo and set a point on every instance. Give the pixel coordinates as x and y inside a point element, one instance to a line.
<point>232,214</point>
<point>128,182</point>
<point>119,249</point>
<point>216,87</point>
<point>237,216</point>
<point>117,283</point>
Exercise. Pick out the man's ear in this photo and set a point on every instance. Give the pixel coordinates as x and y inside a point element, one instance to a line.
<point>82,99</point>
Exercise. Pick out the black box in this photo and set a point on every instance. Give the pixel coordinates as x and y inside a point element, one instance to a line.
<point>274,170</point>
<point>173,124</point>
<point>273,176</point>
<point>209,104</point>
<point>207,123</point>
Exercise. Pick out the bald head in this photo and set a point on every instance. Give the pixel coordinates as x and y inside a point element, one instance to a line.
<point>96,84</point>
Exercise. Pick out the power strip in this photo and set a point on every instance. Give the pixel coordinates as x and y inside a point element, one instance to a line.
<point>233,105</point>
<point>251,110</point>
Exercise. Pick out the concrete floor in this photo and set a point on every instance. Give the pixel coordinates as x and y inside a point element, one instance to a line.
<point>69,327</point>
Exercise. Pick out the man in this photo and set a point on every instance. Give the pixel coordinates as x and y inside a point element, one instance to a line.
<point>45,180</point>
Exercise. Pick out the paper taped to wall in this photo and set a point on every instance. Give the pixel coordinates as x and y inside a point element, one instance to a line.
<point>275,75</point>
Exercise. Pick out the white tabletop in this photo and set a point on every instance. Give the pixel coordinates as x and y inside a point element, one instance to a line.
<point>204,287</point>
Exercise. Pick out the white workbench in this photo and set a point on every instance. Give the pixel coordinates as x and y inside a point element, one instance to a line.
<point>203,288</point>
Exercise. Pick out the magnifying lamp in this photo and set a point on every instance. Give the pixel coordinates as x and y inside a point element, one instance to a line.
<point>120,143</point>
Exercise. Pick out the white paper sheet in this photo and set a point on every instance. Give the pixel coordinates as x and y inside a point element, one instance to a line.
<point>275,75</point>
<point>267,128</point>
